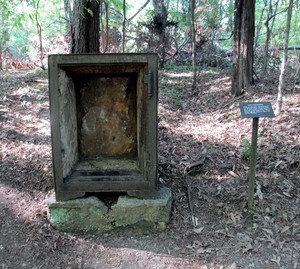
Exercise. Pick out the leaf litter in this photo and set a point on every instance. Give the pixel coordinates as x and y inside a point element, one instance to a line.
<point>200,159</point>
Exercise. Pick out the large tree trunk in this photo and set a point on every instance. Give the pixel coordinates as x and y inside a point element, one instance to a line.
<point>85,27</point>
<point>284,59</point>
<point>243,55</point>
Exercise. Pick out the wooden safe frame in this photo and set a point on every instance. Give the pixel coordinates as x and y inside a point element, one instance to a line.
<point>103,110</point>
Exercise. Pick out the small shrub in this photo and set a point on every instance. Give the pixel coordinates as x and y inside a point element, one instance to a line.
<point>246,148</point>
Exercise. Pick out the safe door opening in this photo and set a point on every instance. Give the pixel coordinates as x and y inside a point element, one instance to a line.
<point>103,124</point>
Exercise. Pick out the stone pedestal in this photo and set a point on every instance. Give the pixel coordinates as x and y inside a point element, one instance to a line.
<point>91,215</point>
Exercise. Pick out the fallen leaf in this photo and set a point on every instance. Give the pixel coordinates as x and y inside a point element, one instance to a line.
<point>285,216</point>
<point>195,221</point>
<point>278,163</point>
<point>198,230</point>
<point>285,229</point>
<point>258,192</point>
<point>276,260</point>
<point>247,248</point>
<point>267,231</point>
<point>205,250</point>
<point>287,194</point>
<point>235,175</point>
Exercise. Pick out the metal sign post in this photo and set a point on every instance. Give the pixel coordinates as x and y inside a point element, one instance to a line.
<point>254,110</point>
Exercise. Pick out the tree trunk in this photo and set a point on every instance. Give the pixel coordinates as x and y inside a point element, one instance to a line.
<point>103,26</point>
<point>271,17</point>
<point>242,75</point>
<point>124,25</point>
<point>284,59</point>
<point>41,47</point>
<point>105,34</point>
<point>85,27</point>
<point>160,20</point>
<point>267,43</point>
<point>193,43</point>
<point>1,62</point>
<point>68,15</point>
<point>259,25</point>
<point>39,32</point>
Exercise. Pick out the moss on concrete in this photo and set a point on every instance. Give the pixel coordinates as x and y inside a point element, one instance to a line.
<point>91,215</point>
<point>79,215</point>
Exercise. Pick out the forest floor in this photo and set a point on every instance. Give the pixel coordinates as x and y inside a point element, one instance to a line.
<point>201,159</point>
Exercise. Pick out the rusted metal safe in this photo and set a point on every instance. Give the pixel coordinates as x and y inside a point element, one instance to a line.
<point>103,123</point>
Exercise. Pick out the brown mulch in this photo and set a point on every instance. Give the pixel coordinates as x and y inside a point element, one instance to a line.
<point>200,158</point>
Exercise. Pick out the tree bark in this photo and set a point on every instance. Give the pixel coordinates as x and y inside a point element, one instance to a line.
<point>68,15</point>
<point>124,25</point>
<point>160,19</point>
<point>242,74</point>
<point>107,26</point>
<point>268,37</point>
<point>284,59</point>
<point>193,43</point>
<point>39,32</point>
<point>271,17</point>
<point>85,27</point>
<point>259,24</point>
<point>1,62</point>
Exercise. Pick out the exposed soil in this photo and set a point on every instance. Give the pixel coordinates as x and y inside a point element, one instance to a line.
<point>200,158</point>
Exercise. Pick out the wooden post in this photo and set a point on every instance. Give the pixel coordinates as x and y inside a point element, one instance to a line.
<point>252,163</point>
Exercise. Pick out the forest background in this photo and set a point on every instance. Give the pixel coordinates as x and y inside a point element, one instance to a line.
<point>32,29</point>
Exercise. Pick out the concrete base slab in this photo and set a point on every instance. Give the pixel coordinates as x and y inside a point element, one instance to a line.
<point>91,215</point>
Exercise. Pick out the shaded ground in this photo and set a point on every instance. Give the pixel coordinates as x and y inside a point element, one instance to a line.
<point>200,159</point>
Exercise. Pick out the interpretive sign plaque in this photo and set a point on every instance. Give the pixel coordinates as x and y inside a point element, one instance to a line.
<point>256,110</point>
